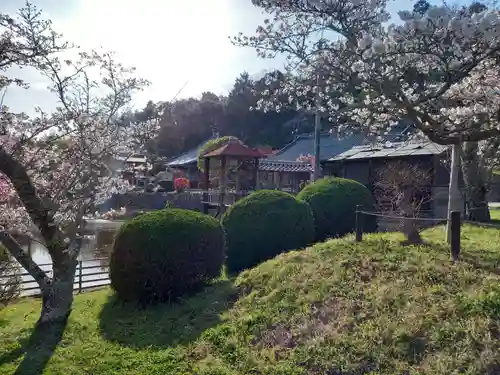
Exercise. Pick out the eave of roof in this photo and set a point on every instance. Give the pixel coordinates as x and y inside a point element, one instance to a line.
<point>284,166</point>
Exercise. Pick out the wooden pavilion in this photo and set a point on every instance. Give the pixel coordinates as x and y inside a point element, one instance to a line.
<point>234,156</point>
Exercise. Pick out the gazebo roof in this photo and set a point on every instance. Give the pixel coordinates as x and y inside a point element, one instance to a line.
<point>236,149</point>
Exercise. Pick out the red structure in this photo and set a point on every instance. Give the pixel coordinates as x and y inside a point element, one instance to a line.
<point>233,150</point>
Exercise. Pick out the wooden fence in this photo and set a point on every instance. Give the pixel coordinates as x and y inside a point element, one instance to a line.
<point>89,275</point>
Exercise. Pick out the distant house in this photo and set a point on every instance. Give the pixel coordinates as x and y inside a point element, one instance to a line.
<point>287,168</point>
<point>362,163</point>
<point>127,162</point>
<point>134,161</point>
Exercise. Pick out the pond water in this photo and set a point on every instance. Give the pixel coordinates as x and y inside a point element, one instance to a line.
<point>93,259</point>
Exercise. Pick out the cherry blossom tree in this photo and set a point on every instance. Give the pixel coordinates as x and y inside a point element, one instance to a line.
<point>421,68</point>
<point>54,167</point>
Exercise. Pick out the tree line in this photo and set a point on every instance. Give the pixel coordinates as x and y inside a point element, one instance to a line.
<point>185,123</point>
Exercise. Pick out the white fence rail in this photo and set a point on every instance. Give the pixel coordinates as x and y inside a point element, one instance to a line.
<point>90,274</point>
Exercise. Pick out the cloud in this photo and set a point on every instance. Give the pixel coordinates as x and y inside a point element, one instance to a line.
<point>168,41</point>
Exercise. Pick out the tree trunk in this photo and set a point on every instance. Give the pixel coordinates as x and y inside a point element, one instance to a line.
<point>57,292</point>
<point>407,210</point>
<point>478,209</point>
<point>454,195</point>
<point>410,230</point>
<point>57,296</point>
<point>476,183</point>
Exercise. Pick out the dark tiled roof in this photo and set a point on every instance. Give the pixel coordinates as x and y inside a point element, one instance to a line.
<point>284,166</point>
<point>188,157</point>
<point>304,144</point>
<point>399,149</point>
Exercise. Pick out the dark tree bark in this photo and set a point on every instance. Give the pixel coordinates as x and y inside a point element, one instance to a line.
<point>57,291</point>
<point>57,296</point>
<point>476,184</point>
<point>408,223</point>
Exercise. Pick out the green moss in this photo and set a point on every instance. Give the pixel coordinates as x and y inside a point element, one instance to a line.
<point>164,254</point>
<point>333,202</point>
<point>263,225</point>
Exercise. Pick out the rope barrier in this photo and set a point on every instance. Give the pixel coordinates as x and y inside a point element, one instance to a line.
<point>480,224</point>
<point>431,219</point>
<point>377,214</point>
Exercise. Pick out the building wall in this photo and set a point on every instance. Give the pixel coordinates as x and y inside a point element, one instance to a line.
<point>358,171</point>
<point>289,181</point>
<point>365,171</point>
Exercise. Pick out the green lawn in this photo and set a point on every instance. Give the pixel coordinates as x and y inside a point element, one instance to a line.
<point>495,214</point>
<point>336,308</point>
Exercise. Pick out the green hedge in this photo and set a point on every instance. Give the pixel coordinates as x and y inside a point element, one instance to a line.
<point>333,202</point>
<point>164,254</point>
<point>263,225</point>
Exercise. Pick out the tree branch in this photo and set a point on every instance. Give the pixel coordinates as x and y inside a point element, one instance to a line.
<point>36,209</point>
<point>24,259</point>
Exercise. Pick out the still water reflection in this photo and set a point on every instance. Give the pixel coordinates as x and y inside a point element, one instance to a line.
<point>93,247</point>
<point>93,259</point>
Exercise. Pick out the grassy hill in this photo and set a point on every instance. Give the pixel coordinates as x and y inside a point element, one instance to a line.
<point>336,308</point>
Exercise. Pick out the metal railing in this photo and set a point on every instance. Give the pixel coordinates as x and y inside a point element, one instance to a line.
<point>88,275</point>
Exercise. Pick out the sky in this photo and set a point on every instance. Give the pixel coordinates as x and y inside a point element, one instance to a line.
<point>170,42</point>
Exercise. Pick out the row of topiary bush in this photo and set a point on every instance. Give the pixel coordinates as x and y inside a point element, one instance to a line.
<point>164,254</point>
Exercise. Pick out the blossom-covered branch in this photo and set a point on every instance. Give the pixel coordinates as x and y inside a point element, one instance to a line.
<point>422,68</point>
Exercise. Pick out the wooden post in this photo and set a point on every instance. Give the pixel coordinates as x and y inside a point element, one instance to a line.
<point>455,235</point>
<point>256,174</point>
<point>359,224</point>
<point>80,276</point>
<point>237,187</point>
<point>222,184</point>
<point>206,181</point>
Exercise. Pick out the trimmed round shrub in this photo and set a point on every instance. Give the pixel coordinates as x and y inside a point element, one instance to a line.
<point>263,225</point>
<point>164,254</point>
<point>333,202</point>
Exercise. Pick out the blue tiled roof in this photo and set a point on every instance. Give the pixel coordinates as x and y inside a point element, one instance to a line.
<point>188,157</point>
<point>304,144</point>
